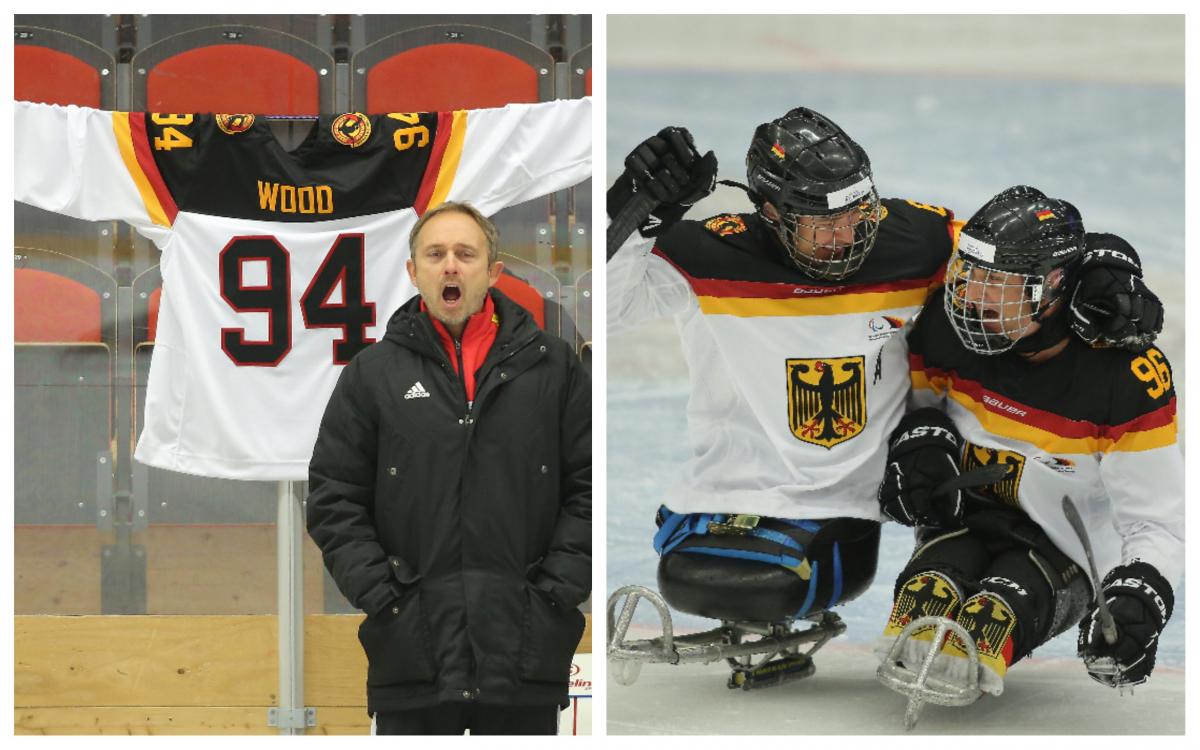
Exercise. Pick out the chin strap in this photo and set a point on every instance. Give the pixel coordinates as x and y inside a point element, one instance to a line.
<point>1054,328</point>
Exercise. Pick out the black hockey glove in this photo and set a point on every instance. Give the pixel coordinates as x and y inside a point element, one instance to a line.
<point>1141,602</point>
<point>923,454</point>
<point>1111,305</point>
<point>668,168</point>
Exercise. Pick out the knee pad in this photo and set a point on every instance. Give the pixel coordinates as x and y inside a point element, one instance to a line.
<point>929,593</point>
<point>991,620</point>
<point>1071,594</point>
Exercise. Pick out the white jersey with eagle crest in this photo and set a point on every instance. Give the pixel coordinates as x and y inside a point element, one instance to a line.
<point>795,384</point>
<point>278,266</point>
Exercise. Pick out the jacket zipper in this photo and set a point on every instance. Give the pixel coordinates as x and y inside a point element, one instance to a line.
<point>462,377</point>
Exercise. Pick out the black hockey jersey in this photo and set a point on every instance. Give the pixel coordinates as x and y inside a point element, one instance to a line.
<point>1096,424</point>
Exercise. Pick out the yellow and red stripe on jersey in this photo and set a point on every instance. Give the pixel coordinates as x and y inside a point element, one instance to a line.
<point>748,299</point>
<point>443,160</point>
<point>1053,433</point>
<point>130,131</point>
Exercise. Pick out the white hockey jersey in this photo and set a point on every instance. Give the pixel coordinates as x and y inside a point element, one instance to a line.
<point>795,384</point>
<point>278,266</point>
<point>1098,425</point>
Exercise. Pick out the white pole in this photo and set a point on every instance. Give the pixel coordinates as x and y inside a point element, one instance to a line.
<point>289,527</point>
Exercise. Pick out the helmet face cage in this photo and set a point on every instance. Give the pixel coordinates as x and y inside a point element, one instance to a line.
<point>831,246</point>
<point>990,309</point>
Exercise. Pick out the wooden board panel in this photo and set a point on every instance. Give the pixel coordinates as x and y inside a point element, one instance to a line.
<point>221,570</point>
<point>145,660</point>
<point>204,570</point>
<point>183,660</point>
<point>335,667</point>
<point>168,720</point>
<point>57,569</point>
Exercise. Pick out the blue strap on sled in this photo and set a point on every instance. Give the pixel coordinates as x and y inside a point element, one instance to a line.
<point>678,527</point>
<point>837,577</point>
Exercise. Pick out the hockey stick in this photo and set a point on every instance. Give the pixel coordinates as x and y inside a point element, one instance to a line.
<point>979,477</point>
<point>628,219</point>
<point>1107,626</point>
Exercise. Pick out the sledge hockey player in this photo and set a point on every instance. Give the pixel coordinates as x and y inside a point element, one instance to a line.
<point>791,322</point>
<point>1000,381</point>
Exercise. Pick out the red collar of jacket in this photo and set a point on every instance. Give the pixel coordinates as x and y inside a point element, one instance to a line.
<point>477,339</point>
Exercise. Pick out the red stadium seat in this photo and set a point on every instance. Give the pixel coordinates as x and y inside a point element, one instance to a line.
<point>233,68</point>
<point>233,78</point>
<point>581,72</point>
<point>64,66</point>
<point>53,308</point>
<point>538,291</point>
<point>63,363</point>
<point>417,80</point>
<point>155,299</point>
<point>46,75</point>
<point>524,295</point>
<point>447,67</point>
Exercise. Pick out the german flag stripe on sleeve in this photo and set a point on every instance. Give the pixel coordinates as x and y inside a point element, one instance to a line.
<point>1050,432</point>
<point>134,145</point>
<point>443,160</point>
<point>747,299</point>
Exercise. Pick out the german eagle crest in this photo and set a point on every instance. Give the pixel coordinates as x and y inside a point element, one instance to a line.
<point>827,399</point>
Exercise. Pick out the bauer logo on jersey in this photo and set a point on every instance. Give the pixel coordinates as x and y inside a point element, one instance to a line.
<point>233,124</point>
<point>726,225</point>
<point>351,129</point>
<point>827,399</point>
<point>1005,490</point>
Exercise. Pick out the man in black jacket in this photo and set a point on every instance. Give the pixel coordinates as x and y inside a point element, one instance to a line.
<point>450,494</point>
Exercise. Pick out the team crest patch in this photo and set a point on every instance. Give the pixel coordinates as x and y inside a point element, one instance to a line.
<point>233,124</point>
<point>1006,489</point>
<point>351,129</point>
<point>827,399</point>
<point>726,225</point>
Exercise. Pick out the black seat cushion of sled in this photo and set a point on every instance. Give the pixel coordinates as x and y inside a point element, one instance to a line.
<point>731,588</point>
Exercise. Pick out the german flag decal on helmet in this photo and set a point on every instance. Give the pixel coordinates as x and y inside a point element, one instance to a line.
<point>351,129</point>
<point>726,224</point>
<point>827,399</point>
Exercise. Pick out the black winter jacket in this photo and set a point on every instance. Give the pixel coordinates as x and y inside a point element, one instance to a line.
<point>463,533</point>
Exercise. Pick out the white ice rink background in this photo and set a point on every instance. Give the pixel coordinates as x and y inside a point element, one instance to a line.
<point>951,110</point>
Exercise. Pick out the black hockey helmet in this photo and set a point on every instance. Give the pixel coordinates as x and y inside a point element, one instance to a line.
<point>1012,263</point>
<point>819,180</point>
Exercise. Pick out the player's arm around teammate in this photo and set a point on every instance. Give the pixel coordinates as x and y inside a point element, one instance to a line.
<point>1004,382</point>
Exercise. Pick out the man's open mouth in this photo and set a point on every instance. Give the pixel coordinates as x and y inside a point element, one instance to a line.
<point>451,294</point>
